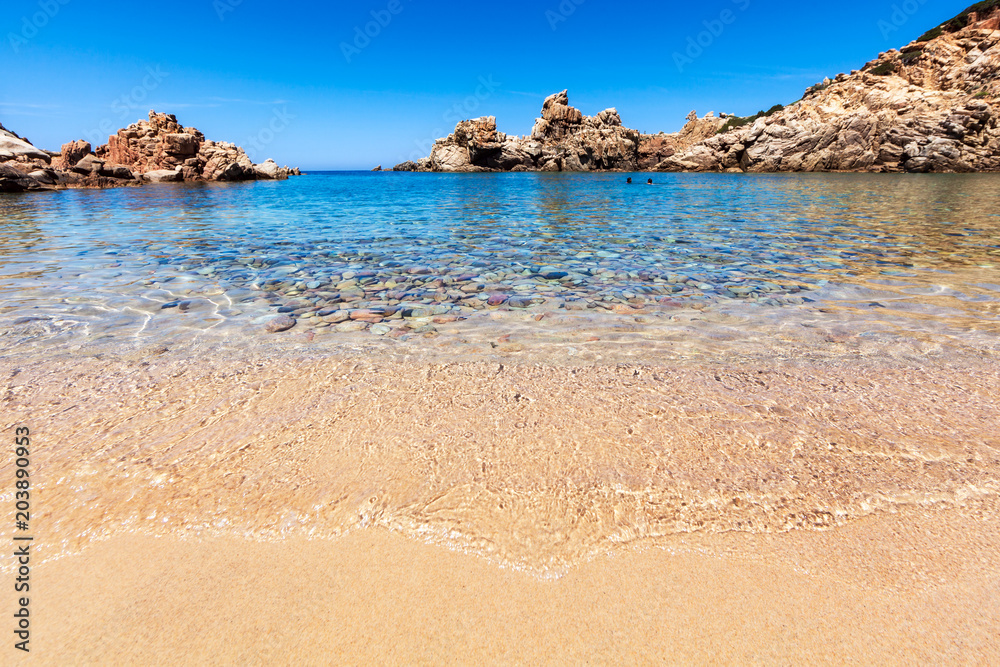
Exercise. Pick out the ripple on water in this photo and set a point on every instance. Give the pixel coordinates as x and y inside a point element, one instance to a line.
<point>798,301</point>
<point>771,252</point>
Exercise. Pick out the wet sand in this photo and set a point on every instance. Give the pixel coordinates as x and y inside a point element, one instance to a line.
<point>915,587</point>
<point>227,505</point>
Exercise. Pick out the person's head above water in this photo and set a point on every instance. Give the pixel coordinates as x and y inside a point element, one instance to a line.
<point>649,182</point>
<point>629,180</point>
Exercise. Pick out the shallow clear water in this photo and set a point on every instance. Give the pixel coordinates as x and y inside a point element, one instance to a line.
<point>714,353</point>
<point>695,264</point>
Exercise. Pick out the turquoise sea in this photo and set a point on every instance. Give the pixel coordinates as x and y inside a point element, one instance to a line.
<point>525,263</point>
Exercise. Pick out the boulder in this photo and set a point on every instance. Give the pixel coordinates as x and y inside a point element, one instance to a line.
<point>44,176</point>
<point>181,144</point>
<point>73,152</point>
<point>268,170</point>
<point>89,164</point>
<point>161,143</point>
<point>15,180</point>
<point>449,157</point>
<point>163,176</point>
<point>119,171</point>
<point>15,147</point>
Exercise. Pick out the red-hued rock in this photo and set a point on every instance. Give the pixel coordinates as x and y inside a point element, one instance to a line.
<point>71,153</point>
<point>163,144</point>
<point>181,144</point>
<point>497,299</point>
<point>157,150</point>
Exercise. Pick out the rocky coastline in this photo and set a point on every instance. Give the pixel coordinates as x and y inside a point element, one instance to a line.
<point>157,150</point>
<point>931,106</point>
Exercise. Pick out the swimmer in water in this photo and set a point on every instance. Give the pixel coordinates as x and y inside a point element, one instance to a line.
<point>629,181</point>
<point>649,182</point>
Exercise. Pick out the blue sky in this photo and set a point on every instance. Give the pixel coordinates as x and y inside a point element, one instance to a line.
<point>303,83</point>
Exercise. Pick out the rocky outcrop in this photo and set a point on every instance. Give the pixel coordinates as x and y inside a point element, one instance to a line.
<point>13,147</point>
<point>13,179</point>
<point>932,106</point>
<point>161,144</point>
<point>22,166</point>
<point>159,150</point>
<point>655,148</point>
<point>563,139</point>
<point>72,152</point>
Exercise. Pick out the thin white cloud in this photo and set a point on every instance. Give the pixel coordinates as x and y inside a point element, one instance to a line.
<point>180,105</point>
<point>230,100</point>
<point>22,105</point>
<point>30,113</point>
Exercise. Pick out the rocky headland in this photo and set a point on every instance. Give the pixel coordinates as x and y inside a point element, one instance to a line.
<point>931,106</point>
<point>150,151</point>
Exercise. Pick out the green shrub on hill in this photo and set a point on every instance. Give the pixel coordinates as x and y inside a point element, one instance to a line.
<point>734,122</point>
<point>960,21</point>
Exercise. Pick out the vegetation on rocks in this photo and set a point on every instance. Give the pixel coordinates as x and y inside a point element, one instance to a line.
<point>961,21</point>
<point>739,121</point>
<point>884,69</point>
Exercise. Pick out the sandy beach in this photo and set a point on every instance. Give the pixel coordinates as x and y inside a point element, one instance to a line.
<point>345,509</point>
<point>421,355</point>
<point>913,587</point>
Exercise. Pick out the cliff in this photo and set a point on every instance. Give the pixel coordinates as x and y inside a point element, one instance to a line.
<point>157,150</point>
<point>933,105</point>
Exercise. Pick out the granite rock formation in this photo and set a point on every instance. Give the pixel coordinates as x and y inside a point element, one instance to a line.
<point>161,144</point>
<point>563,139</point>
<point>153,151</point>
<point>933,105</point>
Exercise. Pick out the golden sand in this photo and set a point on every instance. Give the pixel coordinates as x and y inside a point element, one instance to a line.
<point>208,506</point>
<point>917,587</point>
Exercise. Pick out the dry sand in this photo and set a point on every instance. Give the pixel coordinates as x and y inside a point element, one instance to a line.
<point>910,588</point>
<point>212,507</point>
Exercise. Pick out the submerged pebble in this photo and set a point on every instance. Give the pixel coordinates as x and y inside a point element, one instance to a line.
<point>280,323</point>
